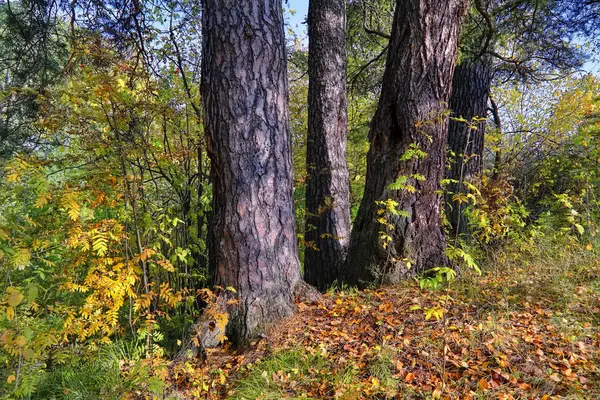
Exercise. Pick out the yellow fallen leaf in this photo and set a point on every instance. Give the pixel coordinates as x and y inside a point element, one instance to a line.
<point>399,365</point>
<point>374,383</point>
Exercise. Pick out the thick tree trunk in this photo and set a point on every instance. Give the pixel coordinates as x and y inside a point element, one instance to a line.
<point>327,190</point>
<point>469,101</point>
<point>408,146</point>
<point>244,95</point>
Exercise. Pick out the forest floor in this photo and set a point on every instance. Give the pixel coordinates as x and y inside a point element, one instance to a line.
<point>528,331</point>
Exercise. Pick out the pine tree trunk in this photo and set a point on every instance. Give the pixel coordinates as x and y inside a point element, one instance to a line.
<point>244,95</point>
<point>411,117</point>
<point>469,100</point>
<point>327,191</point>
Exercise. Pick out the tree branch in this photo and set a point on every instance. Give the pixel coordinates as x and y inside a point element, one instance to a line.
<point>490,25</point>
<point>367,65</point>
<point>372,31</point>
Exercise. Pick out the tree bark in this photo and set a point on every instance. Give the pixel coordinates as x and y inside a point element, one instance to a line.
<point>244,96</point>
<point>327,191</point>
<point>469,101</point>
<point>498,123</point>
<point>408,139</point>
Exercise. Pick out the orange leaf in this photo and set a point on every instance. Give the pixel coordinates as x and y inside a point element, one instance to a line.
<point>483,384</point>
<point>524,386</point>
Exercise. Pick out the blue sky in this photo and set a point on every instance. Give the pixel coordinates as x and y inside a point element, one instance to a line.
<point>301,8</point>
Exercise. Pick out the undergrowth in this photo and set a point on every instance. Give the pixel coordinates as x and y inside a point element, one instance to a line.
<point>527,327</point>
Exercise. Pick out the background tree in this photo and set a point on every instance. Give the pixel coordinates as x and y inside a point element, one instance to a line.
<point>33,51</point>
<point>398,229</point>
<point>327,232</point>
<point>528,40</point>
<point>244,88</point>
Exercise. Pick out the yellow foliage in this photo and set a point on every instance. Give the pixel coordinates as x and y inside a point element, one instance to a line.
<point>10,313</point>
<point>70,202</point>
<point>21,257</point>
<point>42,199</point>
<point>99,243</point>
<point>15,168</point>
<point>166,264</point>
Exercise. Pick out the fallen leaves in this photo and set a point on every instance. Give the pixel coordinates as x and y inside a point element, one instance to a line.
<point>492,346</point>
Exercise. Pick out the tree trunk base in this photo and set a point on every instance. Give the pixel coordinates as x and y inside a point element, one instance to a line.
<point>209,331</point>
<point>305,293</point>
<point>393,274</point>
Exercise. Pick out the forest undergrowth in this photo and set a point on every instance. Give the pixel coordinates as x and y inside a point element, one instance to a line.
<point>527,328</point>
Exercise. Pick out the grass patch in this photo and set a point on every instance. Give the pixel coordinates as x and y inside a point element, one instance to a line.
<point>102,376</point>
<point>292,374</point>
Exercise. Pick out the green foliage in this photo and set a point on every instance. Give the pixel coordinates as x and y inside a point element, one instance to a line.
<point>98,376</point>
<point>434,277</point>
<point>34,51</point>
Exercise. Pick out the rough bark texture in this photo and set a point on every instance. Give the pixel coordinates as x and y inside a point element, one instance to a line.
<point>244,93</point>
<point>412,112</point>
<point>469,100</point>
<point>327,189</point>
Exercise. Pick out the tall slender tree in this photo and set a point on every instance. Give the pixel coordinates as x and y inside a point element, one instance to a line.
<point>471,87</point>
<point>244,92</point>
<point>398,231</point>
<point>327,189</point>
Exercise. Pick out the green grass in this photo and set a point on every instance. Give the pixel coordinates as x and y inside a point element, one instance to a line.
<point>81,380</point>
<point>278,376</point>
<point>97,377</point>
